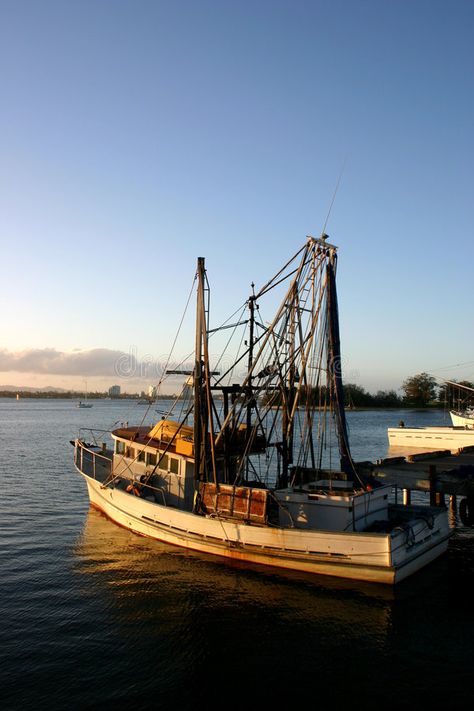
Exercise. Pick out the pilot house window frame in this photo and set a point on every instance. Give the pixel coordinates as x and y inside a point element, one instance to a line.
<point>151,459</point>
<point>174,465</point>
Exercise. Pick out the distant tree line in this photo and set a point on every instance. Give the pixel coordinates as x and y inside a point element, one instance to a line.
<point>420,390</point>
<point>355,396</point>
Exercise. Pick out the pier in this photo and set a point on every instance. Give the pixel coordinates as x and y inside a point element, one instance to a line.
<point>439,473</point>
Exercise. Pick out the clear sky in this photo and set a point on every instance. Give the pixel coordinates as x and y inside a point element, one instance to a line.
<point>136,135</point>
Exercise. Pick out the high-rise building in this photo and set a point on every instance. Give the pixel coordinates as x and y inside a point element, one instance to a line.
<point>114,391</point>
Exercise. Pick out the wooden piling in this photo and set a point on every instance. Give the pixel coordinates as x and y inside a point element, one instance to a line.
<point>435,473</point>
<point>432,480</point>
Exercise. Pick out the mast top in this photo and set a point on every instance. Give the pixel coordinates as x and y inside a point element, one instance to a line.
<point>322,241</point>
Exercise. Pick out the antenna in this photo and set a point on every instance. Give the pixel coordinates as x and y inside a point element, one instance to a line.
<point>323,232</point>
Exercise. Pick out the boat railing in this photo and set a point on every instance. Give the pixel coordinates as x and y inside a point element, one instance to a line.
<point>94,435</point>
<point>160,490</point>
<point>97,465</point>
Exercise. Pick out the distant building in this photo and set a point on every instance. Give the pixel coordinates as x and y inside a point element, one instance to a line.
<point>152,391</point>
<point>114,391</point>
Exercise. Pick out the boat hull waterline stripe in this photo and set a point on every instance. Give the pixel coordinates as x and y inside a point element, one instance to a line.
<point>325,563</point>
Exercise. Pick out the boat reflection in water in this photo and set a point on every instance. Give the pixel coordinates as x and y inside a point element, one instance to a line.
<point>181,622</point>
<point>150,574</point>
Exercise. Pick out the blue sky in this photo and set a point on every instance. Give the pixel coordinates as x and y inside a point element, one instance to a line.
<point>136,136</point>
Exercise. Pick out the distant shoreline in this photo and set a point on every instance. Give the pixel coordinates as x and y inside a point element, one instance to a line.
<point>32,395</point>
<point>27,395</point>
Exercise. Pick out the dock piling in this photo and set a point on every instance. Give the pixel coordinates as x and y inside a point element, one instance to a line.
<point>432,480</point>
<point>438,473</point>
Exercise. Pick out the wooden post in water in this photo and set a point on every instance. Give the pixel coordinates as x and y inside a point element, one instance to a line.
<point>406,497</point>
<point>432,478</point>
<point>436,497</point>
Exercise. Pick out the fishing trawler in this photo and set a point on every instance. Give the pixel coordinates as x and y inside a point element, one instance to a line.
<point>248,472</point>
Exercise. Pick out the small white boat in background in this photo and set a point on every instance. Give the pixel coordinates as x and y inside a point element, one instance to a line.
<point>463,415</point>
<point>462,419</point>
<point>84,404</point>
<point>458,436</point>
<point>426,438</point>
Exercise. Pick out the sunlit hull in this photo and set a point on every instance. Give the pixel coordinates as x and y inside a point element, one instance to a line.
<point>460,420</point>
<point>431,437</point>
<point>375,557</point>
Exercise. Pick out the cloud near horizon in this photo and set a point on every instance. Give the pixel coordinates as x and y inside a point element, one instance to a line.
<point>98,362</point>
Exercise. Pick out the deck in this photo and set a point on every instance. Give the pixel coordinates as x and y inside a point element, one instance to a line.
<point>96,464</point>
<point>442,472</point>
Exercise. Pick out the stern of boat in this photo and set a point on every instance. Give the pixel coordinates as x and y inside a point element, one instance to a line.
<point>419,536</point>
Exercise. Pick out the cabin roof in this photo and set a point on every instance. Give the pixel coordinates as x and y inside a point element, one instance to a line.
<point>131,433</point>
<point>140,435</point>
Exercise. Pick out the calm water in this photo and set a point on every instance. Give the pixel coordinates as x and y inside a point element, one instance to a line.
<point>92,615</point>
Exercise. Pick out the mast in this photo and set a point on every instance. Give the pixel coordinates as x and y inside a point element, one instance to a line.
<point>289,390</point>
<point>199,454</point>
<point>334,366</point>
<point>251,304</point>
<point>203,419</point>
<point>291,374</point>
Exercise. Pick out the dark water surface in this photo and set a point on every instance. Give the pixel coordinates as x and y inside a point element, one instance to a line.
<point>94,616</point>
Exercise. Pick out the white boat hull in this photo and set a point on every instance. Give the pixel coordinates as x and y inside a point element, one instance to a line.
<point>430,437</point>
<point>375,557</point>
<point>461,420</point>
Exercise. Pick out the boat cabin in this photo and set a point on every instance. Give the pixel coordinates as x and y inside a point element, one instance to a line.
<point>164,458</point>
<point>332,506</point>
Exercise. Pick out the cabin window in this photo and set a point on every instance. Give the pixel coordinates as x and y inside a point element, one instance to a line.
<point>174,465</point>
<point>129,452</point>
<point>163,463</point>
<point>141,455</point>
<point>119,447</point>
<point>151,459</point>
